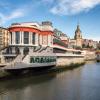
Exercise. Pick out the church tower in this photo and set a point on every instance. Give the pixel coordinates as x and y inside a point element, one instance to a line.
<point>78,36</point>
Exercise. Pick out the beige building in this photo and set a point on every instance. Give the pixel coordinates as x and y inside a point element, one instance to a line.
<point>4,37</point>
<point>78,37</point>
<point>77,41</point>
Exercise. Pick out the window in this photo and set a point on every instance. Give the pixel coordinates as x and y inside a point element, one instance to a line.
<point>17,37</point>
<point>26,37</point>
<point>33,38</point>
<point>11,36</point>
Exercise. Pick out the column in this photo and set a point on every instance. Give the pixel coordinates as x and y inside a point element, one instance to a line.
<point>13,50</point>
<point>21,50</point>
<point>30,38</point>
<point>36,39</point>
<point>9,38</point>
<point>22,38</point>
<point>49,40</point>
<point>13,38</point>
<point>30,50</point>
<point>40,39</point>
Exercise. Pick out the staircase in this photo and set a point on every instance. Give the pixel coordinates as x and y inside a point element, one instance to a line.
<point>15,61</point>
<point>43,48</point>
<point>38,48</point>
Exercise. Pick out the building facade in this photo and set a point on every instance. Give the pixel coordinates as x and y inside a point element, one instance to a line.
<point>78,37</point>
<point>28,36</point>
<point>89,43</point>
<point>60,41</point>
<point>62,36</point>
<point>77,41</point>
<point>4,37</point>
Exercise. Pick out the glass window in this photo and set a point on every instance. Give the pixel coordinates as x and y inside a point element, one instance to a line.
<point>11,36</point>
<point>17,37</point>
<point>33,38</point>
<point>26,37</point>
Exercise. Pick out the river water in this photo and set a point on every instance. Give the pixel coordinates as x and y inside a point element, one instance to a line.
<point>82,83</point>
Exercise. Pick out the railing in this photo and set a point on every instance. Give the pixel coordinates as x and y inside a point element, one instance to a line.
<point>44,48</point>
<point>24,56</point>
<point>38,48</point>
<point>69,55</point>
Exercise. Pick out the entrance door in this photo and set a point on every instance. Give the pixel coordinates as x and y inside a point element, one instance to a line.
<point>26,50</point>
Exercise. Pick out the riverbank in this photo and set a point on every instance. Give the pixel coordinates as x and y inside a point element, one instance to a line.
<point>77,84</point>
<point>6,75</point>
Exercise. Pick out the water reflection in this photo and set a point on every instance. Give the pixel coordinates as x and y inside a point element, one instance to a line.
<point>23,88</point>
<point>79,84</point>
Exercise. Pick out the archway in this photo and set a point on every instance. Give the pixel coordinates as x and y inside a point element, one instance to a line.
<point>17,51</point>
<point>9,50</point>
<point>26,50</point>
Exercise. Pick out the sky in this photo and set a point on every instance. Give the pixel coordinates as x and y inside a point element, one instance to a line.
<point>64,14</point>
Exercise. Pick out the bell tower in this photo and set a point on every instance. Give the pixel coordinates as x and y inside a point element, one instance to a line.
<point>78,36</point>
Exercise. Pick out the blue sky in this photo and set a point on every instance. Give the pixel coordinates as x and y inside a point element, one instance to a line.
<point>64,14</point>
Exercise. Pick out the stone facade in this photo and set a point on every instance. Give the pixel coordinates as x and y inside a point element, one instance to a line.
<point>78,37</point>
<point>77,41</point>
<point>66,61</point>
<point>89,43</point>
<point>4,37</point>
<point>26,36</point>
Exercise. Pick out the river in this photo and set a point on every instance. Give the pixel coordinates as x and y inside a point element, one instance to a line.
<point>82,83</point>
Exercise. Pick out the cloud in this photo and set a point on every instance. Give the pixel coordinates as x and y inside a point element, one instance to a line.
<point>10,11</point>
<point>14,14</point>
<point>71,7</point>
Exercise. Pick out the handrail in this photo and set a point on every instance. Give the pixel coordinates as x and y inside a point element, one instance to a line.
<point>40,46</point>
<point>24,56</point>
<point>44,48</point>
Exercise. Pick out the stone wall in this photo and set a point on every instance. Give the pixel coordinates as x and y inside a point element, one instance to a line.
<point>90,55</point>
<point>66,61</point>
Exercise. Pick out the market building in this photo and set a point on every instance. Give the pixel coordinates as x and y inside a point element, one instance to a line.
<point>29,36</point>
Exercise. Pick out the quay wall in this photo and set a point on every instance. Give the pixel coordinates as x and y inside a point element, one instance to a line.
<point>63,61</point>
<point>90,55</point>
